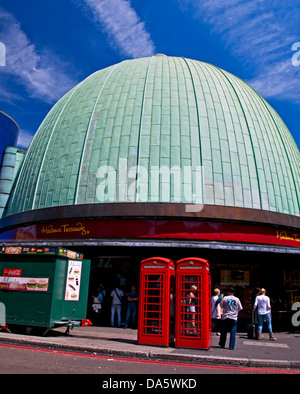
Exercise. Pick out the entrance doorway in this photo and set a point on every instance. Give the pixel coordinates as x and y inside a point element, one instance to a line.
<point>107,273</point>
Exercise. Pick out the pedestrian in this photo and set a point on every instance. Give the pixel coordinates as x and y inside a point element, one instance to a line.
<point>263,306</point>
<point>216,311</point>
<point>132,298</point>
<point>98,303</point>
<point>101,293</point>
<point>192,307</point>
<point>96,307</point>
<point>116,305</point>
<point>231,306</point>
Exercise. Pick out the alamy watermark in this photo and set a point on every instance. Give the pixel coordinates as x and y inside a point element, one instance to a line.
<point>296,56</point>
<point>2,55</point>
<point>136,183</point>
<point>296,315</point>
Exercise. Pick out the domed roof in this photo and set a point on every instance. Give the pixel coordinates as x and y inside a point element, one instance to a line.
<point>161,129</point>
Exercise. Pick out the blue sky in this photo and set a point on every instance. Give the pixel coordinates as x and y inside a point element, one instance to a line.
<point>53,45</point>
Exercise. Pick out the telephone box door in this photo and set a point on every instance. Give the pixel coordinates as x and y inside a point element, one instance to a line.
<point>193,305</point>
<point>154,302</point>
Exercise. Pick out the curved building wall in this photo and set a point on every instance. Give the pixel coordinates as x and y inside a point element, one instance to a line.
<point>161,129</point>
<point>9,131</point>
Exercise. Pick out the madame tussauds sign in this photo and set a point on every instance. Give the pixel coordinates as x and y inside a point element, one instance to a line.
<point>66,228</point>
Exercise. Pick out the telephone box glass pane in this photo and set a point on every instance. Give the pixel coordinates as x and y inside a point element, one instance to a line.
<point>190,311</point>
<point>153,304</point>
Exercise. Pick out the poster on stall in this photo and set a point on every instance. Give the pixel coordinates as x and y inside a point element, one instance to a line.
<point>25,284</point>
<point>73,280</point>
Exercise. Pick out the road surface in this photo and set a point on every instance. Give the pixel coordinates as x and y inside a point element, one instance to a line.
<point>35,360</point>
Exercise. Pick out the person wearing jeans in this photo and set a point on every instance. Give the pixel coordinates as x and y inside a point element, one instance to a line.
<point>116,295</point>
<point>231,306</point>
<point>115,308</point>
<point>228,325</point>
<point>262,303</point>
<point>132,306</point>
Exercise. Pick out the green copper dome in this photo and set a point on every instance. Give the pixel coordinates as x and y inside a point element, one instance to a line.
<point>161,129</point>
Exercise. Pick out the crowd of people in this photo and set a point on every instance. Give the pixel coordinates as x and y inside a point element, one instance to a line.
<point>225,312</point>
<point>119,304</point>
<point>122,307</point>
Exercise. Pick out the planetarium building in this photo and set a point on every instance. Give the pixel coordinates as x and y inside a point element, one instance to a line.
<point>165,156</point>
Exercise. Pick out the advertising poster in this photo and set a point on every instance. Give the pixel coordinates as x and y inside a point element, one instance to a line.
<point>25,284</point>
<point>73,280</point>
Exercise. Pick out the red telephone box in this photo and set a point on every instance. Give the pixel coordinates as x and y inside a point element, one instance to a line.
<point>157,283</point>
<point>193,303</point>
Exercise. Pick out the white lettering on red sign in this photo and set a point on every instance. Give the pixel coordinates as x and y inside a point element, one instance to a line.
<point>12,272</point>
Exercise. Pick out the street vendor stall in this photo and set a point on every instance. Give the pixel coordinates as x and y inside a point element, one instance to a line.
<point>44,286</point>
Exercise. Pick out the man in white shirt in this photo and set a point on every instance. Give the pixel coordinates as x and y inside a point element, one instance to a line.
<point>262,303</point>
<point>116,295</point>
<point>231,306</point>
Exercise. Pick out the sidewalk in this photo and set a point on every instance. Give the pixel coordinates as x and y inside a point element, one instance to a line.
<point>285,353</point>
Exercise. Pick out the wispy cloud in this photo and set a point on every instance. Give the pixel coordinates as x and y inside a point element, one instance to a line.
<point>125,29</point>
<point>42,74</point>
<point>260,33</point>
<point>281,81</point>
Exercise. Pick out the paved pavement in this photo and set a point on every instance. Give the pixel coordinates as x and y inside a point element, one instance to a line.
<point>285,353</point>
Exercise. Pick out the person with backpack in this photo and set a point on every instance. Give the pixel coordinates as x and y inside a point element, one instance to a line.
<point>116,305</point>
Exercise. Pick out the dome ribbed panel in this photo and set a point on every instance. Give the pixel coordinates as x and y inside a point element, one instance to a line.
<point>290,162</point>
<point>58,177</point>
<point>116,134</point>
<point>228,166</point>
<point>271,151</point>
